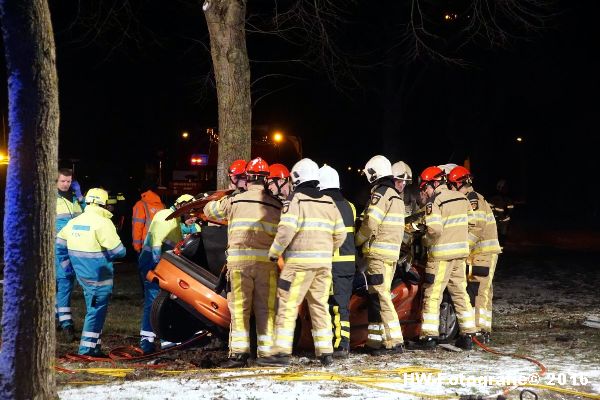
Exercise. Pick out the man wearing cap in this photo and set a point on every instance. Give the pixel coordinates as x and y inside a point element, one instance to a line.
<point>162,236</point>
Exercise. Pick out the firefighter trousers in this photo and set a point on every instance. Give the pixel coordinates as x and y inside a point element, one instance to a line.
<point>295,283</point>
<point>482,268</point>
<point>64,287</point>
<point>440,275</point>
<point>339,298</point>
<point>252,289</point>
<point>97,296</point>
<point>384,327</point>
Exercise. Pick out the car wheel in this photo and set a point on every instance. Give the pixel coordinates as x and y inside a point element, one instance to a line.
<point>448,322</point>
<point>172,322</point>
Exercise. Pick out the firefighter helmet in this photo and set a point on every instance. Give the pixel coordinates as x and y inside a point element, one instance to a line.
<point>238,167</point>
<point>459,174</point>
<point>447,167</point>
<point>431,174</point>
<point>96,196</point>
<point>184,198</point>
<point>402,171</point>
<point>304,170</point>
<point>328,178</point>
<point>257,166</point>
<point>378,167</point>
<point>278,171</point>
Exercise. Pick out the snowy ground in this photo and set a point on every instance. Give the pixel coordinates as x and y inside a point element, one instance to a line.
<point>541,300</point>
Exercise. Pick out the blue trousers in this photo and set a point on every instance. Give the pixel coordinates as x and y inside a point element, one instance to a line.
<point>97,296</point>
<point>64,287</point>
<point>147,335</point>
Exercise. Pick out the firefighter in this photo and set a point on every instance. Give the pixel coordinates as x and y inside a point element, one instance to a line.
<point>88,244</point>
<point>67,208</point>
<point>502,206</point>
<point>278,181</point>
<point>447,218</point>
<point>311,229</point>
<point>484,246</point>
<point>253,216</point>
<point>343,264</point>
<point>380,236</point>
<point>162,236</point>
<point>237,175</point>
<point>143,212</point>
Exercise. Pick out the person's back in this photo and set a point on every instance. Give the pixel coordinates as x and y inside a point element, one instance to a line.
<point>88,244</point>
<point>144,211</point>
<point>310,230</point>
<point>447,225</point>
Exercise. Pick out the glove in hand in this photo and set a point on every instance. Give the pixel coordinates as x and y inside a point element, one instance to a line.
<point>77,189</point>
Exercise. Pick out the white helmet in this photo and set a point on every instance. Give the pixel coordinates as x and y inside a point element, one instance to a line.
<point>328,178</point>
<point>402,171</point>
<point>378,167</point>
<point>303,171</point>
<point>447,167</point>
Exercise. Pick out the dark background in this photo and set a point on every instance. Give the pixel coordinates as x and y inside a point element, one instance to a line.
<point>125,99</point>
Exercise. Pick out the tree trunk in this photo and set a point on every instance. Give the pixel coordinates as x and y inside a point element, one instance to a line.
<point>226,26</point>
<point>28,336</point>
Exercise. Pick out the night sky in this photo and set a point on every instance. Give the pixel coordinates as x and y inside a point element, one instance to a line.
<point>125,98</point>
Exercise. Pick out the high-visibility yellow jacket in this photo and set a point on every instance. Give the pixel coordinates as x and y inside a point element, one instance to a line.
<point>253,216</point>
<point>448,217</point>
<point>311,229</point>
<point>89,243</point>
<point>66,210</point>
<point>483,238</point>
<point>162,236</point>
<point>382,228</point>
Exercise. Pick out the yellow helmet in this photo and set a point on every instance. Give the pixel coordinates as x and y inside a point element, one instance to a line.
<point>183,199</point>
<point>96,196</point>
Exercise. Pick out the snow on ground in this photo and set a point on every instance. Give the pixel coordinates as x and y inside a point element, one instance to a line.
<point>468,366</point>
<point>540,304</point>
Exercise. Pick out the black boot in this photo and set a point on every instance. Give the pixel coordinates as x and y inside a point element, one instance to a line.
<point>485,338</point>
<point>326,359</point>
<point>68,332</point>
<point>278,360</point>
<point>397,349</point>
<point>427,343</point>
<point>341,353</point>
<point>236,361</point>
<point>465,342</point>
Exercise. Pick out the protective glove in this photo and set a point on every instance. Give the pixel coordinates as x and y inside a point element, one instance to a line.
<point>77,189</point>
<point>273,258</point>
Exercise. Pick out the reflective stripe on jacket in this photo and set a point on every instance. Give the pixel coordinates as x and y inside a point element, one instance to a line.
<point>310,230</point>
<point>449,219</point>
<point>143,213</point>
<point>66,210</point>
<point>382,229</point>
<point>162,236</point>
<point>90,243</point>
<point>253,217</point>
<point>483,239</point>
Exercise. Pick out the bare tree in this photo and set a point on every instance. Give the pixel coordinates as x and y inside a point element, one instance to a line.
<point>28,336</point>
<point>226,21</point>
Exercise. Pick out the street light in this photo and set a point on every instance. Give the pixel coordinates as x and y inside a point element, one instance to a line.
<point>519,139</point>
<point>4,159</point>
<point>277,137</point>
<point>185,135</point>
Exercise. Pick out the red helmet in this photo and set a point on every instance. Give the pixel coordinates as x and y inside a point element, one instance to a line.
<point>459,174</point>
<point>258,166</point>
<point>238,167</point>
<point>431,174</point>
<point>278,171</point>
